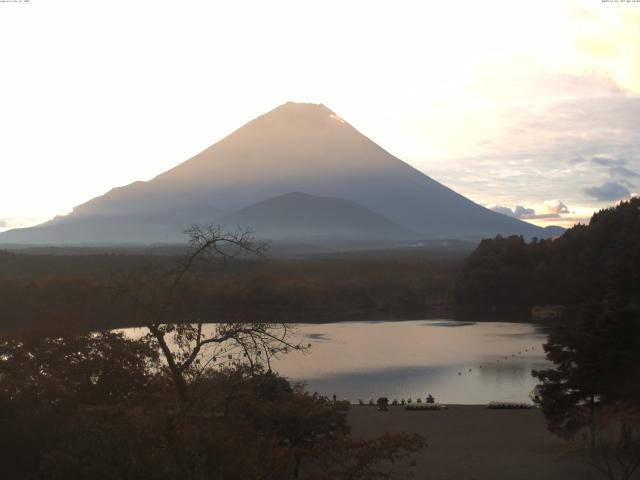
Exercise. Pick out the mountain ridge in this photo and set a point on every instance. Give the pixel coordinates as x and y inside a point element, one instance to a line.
<point>295,147</point>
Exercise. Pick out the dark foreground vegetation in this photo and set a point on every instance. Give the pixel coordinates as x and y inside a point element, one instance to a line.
<point>177,403</point>
<point>592,394</point>
<point>181,404</point>
<point>101,406</point>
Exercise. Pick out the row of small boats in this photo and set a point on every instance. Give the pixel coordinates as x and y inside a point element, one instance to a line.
<point>510,405</point>
<point>396,402</point>
<point>425,406</point>
<point>383,404</point>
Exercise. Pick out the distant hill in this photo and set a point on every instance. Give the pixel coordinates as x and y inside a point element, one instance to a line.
<point>294,148</point>
<point>554,231</point>
<point>299,216</point>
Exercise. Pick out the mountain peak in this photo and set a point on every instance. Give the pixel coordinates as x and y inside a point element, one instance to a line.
<point>297,147</point>
<point>309,114</point>
<point>300,107</point>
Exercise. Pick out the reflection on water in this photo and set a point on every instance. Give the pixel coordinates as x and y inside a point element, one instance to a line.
<point>472,363</point>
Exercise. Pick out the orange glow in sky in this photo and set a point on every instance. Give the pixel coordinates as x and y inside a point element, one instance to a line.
<point>509,103</point>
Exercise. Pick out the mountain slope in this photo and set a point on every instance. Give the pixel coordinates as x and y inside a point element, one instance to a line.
<point>296,147</point>
<point>297,216</point>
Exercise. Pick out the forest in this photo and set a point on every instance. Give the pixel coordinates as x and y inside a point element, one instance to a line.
<point>78,400</point>
<point>590,395</point>
<point>80,289</point>
<point>587,263</point>
<point>505,277</point>
<point>177,402</point>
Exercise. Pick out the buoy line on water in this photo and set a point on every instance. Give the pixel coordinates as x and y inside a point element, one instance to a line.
<point>495,362</point>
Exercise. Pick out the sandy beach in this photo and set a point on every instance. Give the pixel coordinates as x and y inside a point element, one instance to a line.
<point>471,442</point>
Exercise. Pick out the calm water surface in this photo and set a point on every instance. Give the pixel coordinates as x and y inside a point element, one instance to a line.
<point>463,363</point>
<point>457,362</point>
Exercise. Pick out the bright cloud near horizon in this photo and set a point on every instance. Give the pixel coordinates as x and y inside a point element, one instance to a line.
<point>530,108</point>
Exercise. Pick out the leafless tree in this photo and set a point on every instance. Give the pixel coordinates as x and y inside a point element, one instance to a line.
<point>165,302</point>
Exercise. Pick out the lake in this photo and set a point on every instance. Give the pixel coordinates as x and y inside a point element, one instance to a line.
<point>456,362</point>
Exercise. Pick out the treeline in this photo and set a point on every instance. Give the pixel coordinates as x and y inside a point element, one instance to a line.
<point>81,289</point>
<point>587,263</point>
<point>590,395</point>
<point>178,402</point>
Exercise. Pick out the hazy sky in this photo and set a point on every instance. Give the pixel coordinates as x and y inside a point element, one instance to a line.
<point>530,106</point>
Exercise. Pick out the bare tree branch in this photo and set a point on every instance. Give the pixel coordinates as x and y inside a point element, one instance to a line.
<point>155,296</point>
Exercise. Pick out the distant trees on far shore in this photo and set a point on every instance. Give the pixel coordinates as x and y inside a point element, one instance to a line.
<point>49,290</point>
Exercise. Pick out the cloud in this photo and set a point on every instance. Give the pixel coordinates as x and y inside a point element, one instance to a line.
<point>617,168</point>
<point>15,222</point>
<point>542,216</point>
<point>620,171</point>
<point>560,149</point>
<point>518,212</point>
<point>503,210</point>
<point>607,162</point>
<point>556,206</point>
<point>609,44</point>
<point>608,191</point>
<point>523,213</point>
